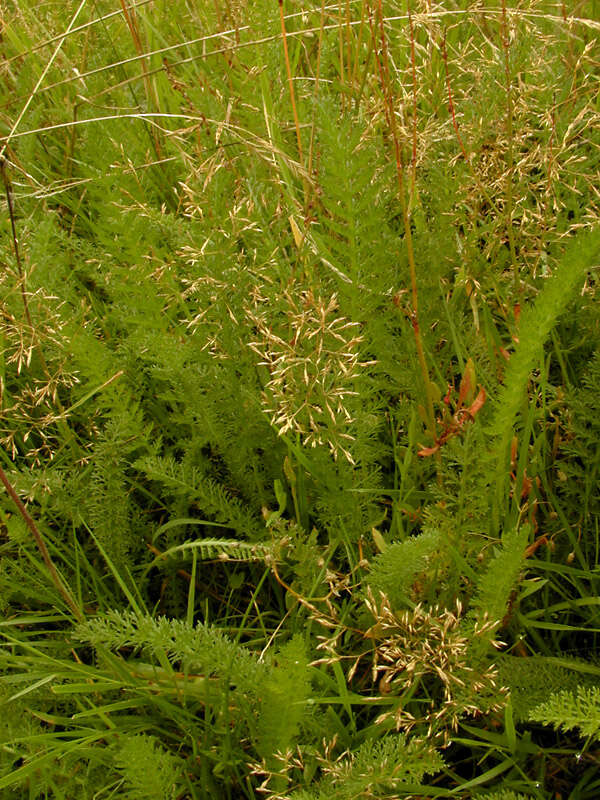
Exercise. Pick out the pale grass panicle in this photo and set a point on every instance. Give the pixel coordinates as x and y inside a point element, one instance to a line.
<point>34,406</point>
<point>431,645</point>
<point>313,358</point>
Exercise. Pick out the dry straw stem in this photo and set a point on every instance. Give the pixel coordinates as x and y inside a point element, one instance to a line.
<point>151,94</point>
<point>73,31</point>
<point>423,19</point>
<point>290,82</point>
<point>40,80</point>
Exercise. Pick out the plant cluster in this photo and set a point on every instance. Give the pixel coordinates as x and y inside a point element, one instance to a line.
<point>299,379</point>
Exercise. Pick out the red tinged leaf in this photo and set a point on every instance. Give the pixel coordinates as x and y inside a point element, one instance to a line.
<point>467,384</point>
<point>448,394</point>
<point>455,425</point>
<point>535,545</point>
<point>514,445</point>
<point>477,404</point>
<point>527,486</point>
<point>428,451</point>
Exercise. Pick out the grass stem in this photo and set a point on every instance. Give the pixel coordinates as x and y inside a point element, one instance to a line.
<point>41,544</point>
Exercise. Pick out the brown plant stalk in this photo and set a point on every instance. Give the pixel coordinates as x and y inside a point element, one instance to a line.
<point>510,152</point>
<point>381,57</point>
<point>41,544</point>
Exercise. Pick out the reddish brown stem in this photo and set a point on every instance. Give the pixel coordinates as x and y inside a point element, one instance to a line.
<point>386,86</point>
<point>510,153</point>
<point>413,179</point>
<point>451,100</point>
<point>56,580</point>
<point>11,214</point>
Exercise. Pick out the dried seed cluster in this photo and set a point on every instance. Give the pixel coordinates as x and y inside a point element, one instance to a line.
<point>313,361</point>
<point>432,647</point>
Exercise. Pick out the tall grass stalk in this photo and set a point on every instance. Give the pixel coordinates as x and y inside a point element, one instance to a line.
<point>381,55</point>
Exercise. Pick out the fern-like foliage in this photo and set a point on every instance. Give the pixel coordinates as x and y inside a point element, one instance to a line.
<point>222,549</point>
<point>498,580</point>
<point>202,649</point>
<point>531,680</point>
<point>283,702</point>
<point>535,326</point>
<point>211,498</point>
<point>149,771</point>
<point>108,509</point>
<point>348,501</point>
<point>579,462</point>
<point>460,507</point>
<point>394,571</point>
<point>355,186</point>
<point>489,607</point>
<point>379,768</point>
<point>570,710</point>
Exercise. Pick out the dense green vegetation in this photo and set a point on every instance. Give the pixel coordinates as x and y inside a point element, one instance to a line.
<point>300,400</point>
